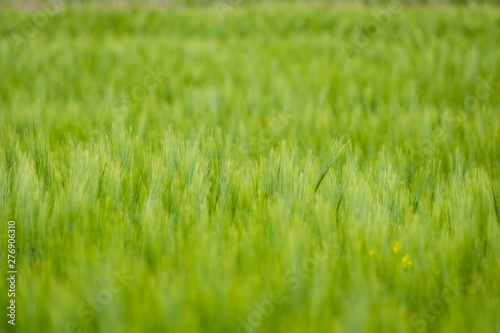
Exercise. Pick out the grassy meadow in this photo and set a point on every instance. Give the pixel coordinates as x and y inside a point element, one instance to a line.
<point>251,168</point>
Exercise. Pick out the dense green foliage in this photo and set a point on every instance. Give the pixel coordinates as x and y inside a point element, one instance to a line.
<point>30,4</point>
<point>282,168</point>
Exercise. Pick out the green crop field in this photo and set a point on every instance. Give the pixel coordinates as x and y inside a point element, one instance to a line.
<point>235,167</point>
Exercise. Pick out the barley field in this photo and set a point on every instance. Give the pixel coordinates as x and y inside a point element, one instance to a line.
<point>236,167</point>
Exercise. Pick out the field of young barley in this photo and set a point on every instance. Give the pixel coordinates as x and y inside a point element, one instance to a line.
<point>266,168</point>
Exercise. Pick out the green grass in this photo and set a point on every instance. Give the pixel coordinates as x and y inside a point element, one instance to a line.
<point>268,174</point>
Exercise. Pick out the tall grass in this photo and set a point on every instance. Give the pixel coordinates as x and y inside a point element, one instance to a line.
<point>269,181</point>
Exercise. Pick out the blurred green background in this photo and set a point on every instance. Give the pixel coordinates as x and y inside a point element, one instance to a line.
<point>279,167</point>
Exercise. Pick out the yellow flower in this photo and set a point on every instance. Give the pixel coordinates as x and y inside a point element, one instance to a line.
<point>406,261</point>
<point>372,252</point>
<point>396,247</point>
